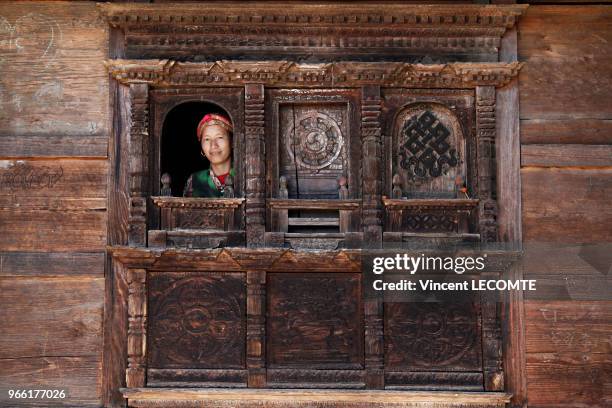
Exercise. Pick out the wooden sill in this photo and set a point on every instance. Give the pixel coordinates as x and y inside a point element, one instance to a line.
<point>194,202</point>
<point>314,204</point>
<point>168,397</point>
<point>431,203</point>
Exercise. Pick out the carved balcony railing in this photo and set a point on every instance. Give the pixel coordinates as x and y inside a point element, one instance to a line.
<point>425,220</point>
<point>198,222</point>
<point>314,223</point>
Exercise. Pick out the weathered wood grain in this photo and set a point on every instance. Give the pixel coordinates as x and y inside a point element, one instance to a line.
<point>508,146</point>
<point>318,398</point>
<point>567,155</point>
<point>53,80</point>
<point>580,131</point>
<point>54,145</point>
<point>569,380</point>
<point>569,326</point>
<point>567,260</point>
<point>39,230</point>
<point>567,205</point>
<point>567,52</point>
<point>53,184</point>
<point>51,317</point>
<point>572,288</point>
<point>51,264</point>
<point>78,376</point>
<point>115,335</point>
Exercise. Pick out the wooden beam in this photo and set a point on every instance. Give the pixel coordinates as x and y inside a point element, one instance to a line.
<point>566,155</point>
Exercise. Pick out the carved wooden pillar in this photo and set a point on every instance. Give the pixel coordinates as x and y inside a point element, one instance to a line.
<point>135,375</point>
<point>492,341</point>
<point>485,133</point>
<point>138,164</point>
<point>374,350</point>
<point>256,328</point>
<point>371,165</point>
<point>255,164</point>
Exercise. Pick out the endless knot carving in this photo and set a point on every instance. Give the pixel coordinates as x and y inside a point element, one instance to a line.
<point>424,149</point>
<point>315,141</point>
<point>196,322</point>
<point>432,335</point>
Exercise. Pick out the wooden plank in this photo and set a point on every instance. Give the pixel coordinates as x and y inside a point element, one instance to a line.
<point>53,184</point>
<point>580,131</point>
<point>54,146</point>
<point>567,260</point>
<point>508,147</point>
<point>568,155</point>
<point>52,78</point>
<point>567,52</point>
<point>51,317</point>
<point>509,218</point>
<point>565,1</point>
<point>115,334</point>
<point>321,398</point>
<point>39,230</point>
<point>569,380</point>
<point>567,205</point>
<point>568,288</point>
<point>569,326</point>
<point>50,264</point>
<point>78,376</point>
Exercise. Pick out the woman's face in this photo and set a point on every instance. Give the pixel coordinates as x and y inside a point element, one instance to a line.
<point>216,144</point>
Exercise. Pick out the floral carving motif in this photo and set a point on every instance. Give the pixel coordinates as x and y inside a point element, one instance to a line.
<point>197,321</point>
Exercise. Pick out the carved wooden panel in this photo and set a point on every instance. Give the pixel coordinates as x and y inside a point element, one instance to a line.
<point>432,141</point>
<point>313,148</point>
<point>314,321</point>
<point>429,150</point>
<point>206,219</point>
<point>432,336</point>
<point>316,140</point>
<point>196,320</point>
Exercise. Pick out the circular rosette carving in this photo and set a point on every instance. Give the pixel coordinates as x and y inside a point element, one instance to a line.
<point>315,141</point>
<point>197,322</point>
<point>432,335</point>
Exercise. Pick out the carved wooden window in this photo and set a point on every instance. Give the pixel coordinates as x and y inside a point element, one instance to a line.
<point>343,152</point>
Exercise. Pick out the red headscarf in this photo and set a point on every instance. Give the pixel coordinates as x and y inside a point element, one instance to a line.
<point>214,119</point>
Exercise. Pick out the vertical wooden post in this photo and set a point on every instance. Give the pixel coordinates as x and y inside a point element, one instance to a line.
<point>492,341</point>
<point>137,326</point>
<point>371,173</point>
<point>138,164</point>
<point>485,133</point>
<point>374,346</point>
<point>509,199</point>
<point>255,161</point>
<point>256,328</point>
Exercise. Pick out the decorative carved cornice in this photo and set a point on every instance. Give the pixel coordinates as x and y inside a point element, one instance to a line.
<point>321,31</point>
<point>167,73</point>
<point>373,14</point>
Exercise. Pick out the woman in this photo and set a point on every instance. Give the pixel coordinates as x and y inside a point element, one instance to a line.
<point>214,134</point>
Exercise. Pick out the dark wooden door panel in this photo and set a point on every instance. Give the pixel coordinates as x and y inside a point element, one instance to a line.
<point>196,320</point>
<point>315,321</point>
<point>432,336</point>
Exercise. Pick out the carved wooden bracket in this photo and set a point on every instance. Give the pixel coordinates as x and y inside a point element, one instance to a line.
<point>315,31</point>
<point>168,73</point>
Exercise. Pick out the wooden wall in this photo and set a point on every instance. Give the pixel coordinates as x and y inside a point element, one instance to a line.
<point>54,130</point>
<point>54,137</point>
<point>566,155</point>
